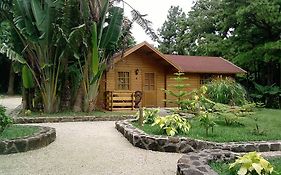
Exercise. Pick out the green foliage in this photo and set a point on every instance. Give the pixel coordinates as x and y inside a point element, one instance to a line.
<point>172,32</point>
<point>207,121</point>
<point>27,77</point>
<point>267,118</point>
<point>178,90</point>
<point>233,114</point>
<point>252,163</point>
<point>257,130</point>
<point>150,115</point>
<point>226,91</point>
<point>172,124</point>
<point>5,120</point>
<point>244,32</point>
<point>222,168</point>
<point>269,95</point>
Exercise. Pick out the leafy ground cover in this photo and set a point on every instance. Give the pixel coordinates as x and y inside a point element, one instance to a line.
<point>17,131</point>
<point>70,113</point>
<point>268,120</point>
<point>222,168</point>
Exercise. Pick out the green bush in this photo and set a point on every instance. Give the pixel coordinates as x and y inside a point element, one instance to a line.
<point>150,115</point>
<point>207,121</point>
<point>173,124</point>
<point>252,163</point>
<point>178,91</point>
<point>5,120</point>
<point>233,114</point>
<point>226,91</point>
<point>270,96</point>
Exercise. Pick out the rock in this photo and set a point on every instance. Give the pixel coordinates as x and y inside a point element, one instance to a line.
<point>170,148</point>
<point>275,147</point>
<point>250,148</point>
<point>192,172</point>
<point>264,148</point>
<point>21,145</point>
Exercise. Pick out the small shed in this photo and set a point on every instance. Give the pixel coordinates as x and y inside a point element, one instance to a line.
<point>139,75</point>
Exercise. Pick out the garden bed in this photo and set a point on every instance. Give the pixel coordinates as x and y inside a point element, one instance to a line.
<point>269,122</point>
<point>22,138</point>
<point>180,144</point>
<point>18,131</point>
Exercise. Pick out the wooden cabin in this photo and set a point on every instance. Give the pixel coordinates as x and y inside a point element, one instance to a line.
<point>140,74</point>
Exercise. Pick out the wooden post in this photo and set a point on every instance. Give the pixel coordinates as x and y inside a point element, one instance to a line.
<point>111,96</point>
<point>141,119</point>
<point>133,100</point>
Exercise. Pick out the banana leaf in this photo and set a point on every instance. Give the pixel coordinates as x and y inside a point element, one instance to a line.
<point>27,77</point>
<point>112,32</point>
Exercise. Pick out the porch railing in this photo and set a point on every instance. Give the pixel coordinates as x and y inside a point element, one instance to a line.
<point>118,100</point>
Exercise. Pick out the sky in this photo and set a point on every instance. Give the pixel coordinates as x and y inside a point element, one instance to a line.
<point>157,11</point>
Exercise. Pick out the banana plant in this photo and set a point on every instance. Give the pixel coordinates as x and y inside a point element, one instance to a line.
<point>54,31</point>
<point>37,25</point>
<point>101,35</point>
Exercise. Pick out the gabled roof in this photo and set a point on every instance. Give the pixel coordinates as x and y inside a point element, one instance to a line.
<point>204,64</point>
<point>183,63</point>
<point>145,44</point>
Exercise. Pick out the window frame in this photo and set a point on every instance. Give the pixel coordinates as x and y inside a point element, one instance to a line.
<point>117,85</point>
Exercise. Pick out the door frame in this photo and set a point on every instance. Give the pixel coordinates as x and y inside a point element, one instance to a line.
<point>155,88</point>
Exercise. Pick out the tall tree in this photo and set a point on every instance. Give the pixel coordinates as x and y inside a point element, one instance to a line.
<point>245,32</point>
<point>172,32</point>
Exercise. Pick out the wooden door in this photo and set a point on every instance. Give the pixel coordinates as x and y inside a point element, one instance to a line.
<point>149,90</point>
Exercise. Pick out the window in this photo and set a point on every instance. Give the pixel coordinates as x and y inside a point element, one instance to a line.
<point>123,81</point>
<point>149,82</point>
<point>205,78</point>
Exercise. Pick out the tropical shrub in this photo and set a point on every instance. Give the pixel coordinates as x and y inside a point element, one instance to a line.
<point>207,121</point>
<point>268,95</point>
<point>197,101</point>
<point>252,164</point>
<point>232,114</point>
<point>226,91</point>
<point>173,124</point>
<point>5,120</point>
<point>177,92</point>
<point>149,115</point>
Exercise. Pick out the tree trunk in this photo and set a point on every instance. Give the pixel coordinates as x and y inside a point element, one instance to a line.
<point>11,81</point>
<point>77,107</point>
<point>65,96</point>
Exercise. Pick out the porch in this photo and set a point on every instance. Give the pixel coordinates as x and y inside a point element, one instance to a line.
<point>122,100</point>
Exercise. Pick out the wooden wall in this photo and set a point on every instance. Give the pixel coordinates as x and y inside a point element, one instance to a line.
<point>193,82</point>
<point>143,63</point>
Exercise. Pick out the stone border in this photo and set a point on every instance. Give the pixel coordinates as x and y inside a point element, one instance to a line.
<point>140,139</point>
<point>197,163</point>
<point>42,138</point>
<point>24,120</point>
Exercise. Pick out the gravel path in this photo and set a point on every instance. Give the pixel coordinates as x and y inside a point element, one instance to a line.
<point>10,102</point>
<point>92,148</point>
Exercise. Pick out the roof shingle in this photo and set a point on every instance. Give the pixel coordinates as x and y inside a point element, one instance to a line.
<point>204,64</point>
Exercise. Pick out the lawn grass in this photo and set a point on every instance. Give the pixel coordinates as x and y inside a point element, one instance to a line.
<point>222,168</point>
<point>17,131</point>
<point>269,121</point>
<point>72,114</point>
